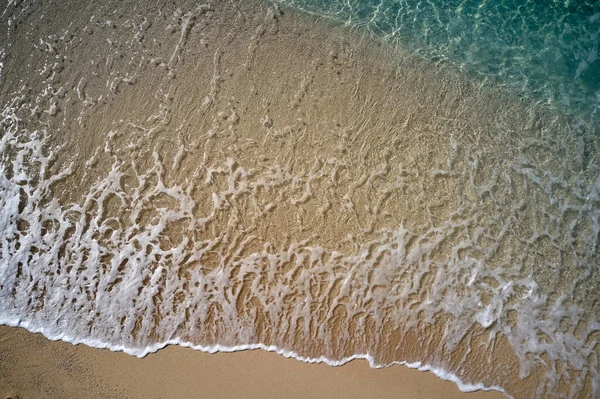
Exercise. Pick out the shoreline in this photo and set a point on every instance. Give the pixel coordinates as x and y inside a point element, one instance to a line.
<point>144,378</point>
<point>288,354</point>
<point>234,191</point>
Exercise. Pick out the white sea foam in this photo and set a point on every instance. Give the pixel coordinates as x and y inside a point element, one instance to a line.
<point>83,301</point>
<point>171,225</point>
<point>440,372</point>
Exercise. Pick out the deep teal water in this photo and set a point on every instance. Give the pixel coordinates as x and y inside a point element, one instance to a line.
<point>544,49</point>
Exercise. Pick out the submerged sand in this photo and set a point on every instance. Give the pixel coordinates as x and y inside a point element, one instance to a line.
<point>239,174</point>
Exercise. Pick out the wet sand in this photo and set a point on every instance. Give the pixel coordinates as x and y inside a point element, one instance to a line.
<point>282,152</point>
<point>33,367</point>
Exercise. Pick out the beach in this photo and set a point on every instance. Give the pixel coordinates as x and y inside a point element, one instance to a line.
<point>33,367</point>
<point>240,176</point>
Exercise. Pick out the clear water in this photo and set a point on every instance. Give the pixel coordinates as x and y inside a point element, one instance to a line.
<point>544,49</point>
<point>240,175</point>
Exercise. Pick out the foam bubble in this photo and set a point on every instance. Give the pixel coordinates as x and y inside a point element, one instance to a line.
<point>207,224</point>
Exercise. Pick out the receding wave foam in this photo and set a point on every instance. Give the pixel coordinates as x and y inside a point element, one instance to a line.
<point>208,192</point>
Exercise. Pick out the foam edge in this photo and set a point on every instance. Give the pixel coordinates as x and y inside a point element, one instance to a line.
<point>141,353</point>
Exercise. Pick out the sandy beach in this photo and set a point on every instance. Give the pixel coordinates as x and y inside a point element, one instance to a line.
<point>33,367</point>
<point>236,174</point>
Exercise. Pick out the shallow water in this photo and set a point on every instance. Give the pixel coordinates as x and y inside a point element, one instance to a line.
<point>240,175</point>
<point>546,50</point>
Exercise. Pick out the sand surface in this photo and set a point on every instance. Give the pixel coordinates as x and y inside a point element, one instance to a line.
<point>34,367</point>
<point>243,174</point>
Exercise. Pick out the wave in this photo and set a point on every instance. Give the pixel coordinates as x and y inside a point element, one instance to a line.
<point>353,203</point>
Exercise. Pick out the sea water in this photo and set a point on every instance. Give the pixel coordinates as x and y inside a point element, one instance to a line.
<point>414,182</point>
<point>547,50</point>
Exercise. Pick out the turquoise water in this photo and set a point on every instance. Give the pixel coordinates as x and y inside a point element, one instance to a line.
<point>544,49</point>
<point>240,175</point>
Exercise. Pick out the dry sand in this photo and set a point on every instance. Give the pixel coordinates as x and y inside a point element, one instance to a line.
<point>33,367</point>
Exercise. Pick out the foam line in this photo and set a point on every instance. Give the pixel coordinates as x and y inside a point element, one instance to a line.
<point>141,353</point>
